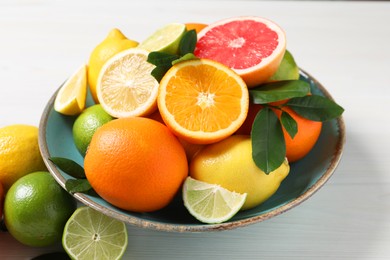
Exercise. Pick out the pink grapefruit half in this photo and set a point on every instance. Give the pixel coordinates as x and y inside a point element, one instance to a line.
<point>252,46</point>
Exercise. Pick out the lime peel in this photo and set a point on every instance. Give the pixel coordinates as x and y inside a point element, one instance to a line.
<point>210,203</point>
<point>89,234</point>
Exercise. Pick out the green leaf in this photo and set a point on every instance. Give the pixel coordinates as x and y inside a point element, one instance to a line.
<point>315,108</point>
<point>188,42</point>
<point>280,90</point>
<point>161,58</point>
<point>68,166</point>
<point>77,185</point>
<point>268,145</point>
<point>289,124</point>
<point>188,56</point>
<point>159,72</point>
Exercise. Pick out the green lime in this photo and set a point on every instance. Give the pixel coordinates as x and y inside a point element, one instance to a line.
<point>36,209</point>
<point>288,69</point>
<point>89,234</point>
<point>165,39</point>
<point>210,203</point>
<point>86,124</point>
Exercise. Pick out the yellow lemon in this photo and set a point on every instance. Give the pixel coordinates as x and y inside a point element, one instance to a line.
<point>229,164</point>
<point>19,153</point>
<point>114,43</point>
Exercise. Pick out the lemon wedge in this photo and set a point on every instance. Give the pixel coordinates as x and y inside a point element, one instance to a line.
<point>72,95</point>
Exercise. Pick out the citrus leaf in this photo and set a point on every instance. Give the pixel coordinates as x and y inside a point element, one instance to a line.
<point>289,124</point>
<point>315,108</point>
<point>68,166</point>
<point>268,145</point>
<point>188,42</point>
<point>188,56</point>
<point>159,72</point>
<point>280,90</point>
<point>77,185</point>
<point>161,58</point>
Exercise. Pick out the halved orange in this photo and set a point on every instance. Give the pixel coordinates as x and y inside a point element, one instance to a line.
<point>202,101</point>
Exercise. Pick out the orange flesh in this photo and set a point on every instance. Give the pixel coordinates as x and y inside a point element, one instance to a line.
<point>215,96</point>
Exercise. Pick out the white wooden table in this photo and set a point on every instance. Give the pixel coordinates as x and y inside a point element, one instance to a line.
<point>345,45</point>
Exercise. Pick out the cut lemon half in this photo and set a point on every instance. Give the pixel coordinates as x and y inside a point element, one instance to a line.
<point>165,39</point>
<point>89,234</point>
<point>125,85</point>
<point>210,203</point>
<point>202,101</point>
<point>72,95</point>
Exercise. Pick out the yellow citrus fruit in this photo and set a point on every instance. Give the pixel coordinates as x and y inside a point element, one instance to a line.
<point>71,97</point>
<point>229,163</point>
<point>114,43</point>
<point>19,153</point>
<point>136,164</point>
<point>36,209</point>
<point>126,87</point>
<point>202,101</point>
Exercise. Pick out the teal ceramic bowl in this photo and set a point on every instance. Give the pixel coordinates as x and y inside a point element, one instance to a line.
<point>305,178</point>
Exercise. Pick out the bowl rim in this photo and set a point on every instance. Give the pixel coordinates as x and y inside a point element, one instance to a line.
<point>169,227</point>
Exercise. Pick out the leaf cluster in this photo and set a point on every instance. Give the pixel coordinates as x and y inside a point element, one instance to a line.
<point>268,143</point>
<point>79,183</point>
<point>164,61</point>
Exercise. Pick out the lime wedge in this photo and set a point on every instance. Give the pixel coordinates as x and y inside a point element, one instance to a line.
<point>165,39</point>
<point>210,203</point>
<point>72,95</point>
<point>89,234</point>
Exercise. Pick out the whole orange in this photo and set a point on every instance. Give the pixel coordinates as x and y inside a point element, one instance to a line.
<point>304,140</point>
<point>136,164</point>
<point>195,26</point>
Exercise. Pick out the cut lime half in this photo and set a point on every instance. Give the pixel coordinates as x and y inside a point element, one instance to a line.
<point>165,39</point>
<point>89,234</point>
<point>210,203</point>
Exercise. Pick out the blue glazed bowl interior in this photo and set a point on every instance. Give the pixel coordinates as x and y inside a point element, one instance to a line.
<point>305,178</point>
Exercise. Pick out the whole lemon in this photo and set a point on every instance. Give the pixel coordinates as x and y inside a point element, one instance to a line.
<point>19,153</point>
<point>86,125</point>
<point>229,163</point>
<point>114,43</point>
<point>36,209</point>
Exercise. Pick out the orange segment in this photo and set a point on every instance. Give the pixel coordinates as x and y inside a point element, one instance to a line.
<point>202,101</point>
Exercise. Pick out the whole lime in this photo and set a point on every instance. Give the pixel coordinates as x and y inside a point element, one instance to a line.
<point>36,209</point>
<point>288,69</point>
<point>86,124</point>
<point>229,164</point>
